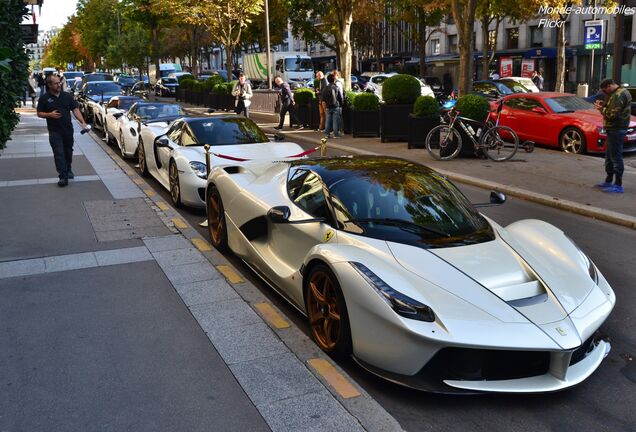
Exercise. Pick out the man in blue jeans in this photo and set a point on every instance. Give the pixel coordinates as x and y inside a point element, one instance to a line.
<point>333,99</point>
<point>55,106</point>
<point>616,115</point>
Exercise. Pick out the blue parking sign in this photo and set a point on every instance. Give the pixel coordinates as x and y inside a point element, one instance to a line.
<point>594,34</point>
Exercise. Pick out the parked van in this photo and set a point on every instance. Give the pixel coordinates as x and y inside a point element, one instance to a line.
<point>165,69</point>
<point>291,66</point>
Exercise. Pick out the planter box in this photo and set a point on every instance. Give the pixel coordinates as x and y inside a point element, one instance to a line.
<point>365,123</point>
<point>314,114</point>
<point>303,112</point>
<point>180,95</point>
<point>394,121</point>
<point>418,129</point>
<point>346,118</point>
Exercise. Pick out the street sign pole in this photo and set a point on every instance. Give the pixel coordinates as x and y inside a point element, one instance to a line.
<point>594,30</point>
<point>592,65</point>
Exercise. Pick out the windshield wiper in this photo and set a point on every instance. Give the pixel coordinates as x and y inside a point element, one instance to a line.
<point>402,224</point>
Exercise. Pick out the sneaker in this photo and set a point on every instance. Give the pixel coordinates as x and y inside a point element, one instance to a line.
<point>278,127</point>
<point>62,182</point>
<point>336,136</point>
<point>299,127</point>
<point>614,189</point>
<point>70,175</point>
<point>603,185</point>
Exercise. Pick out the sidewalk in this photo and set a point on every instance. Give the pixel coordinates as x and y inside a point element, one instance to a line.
<point>117,315</point>
<point>546,176</point>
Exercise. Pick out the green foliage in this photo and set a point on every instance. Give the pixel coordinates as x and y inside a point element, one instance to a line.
<point>214,80</point>
<point>187,83</point>
<point>366,102</point>
<point>473,106</point>
<point>349,97</point>
<point>14,69</point>
<point>224,88</point>
<point>182,78</point>
<point>303,96</point>
<point>401,89</point>
<point>426,106</point>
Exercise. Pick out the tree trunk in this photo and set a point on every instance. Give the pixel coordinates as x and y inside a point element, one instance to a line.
<point>154,31</point>
<point>560,69</point>
<point>421,43</point>
<point>343,37</point>
<point>485,58</point>
<point>464,16</point>
<point>377,46</point>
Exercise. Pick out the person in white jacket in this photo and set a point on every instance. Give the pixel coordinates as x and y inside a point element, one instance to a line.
<point>243,93</point>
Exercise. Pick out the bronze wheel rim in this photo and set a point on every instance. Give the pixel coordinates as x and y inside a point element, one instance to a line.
<point>572,141</point>
<point>174,183</point>
<point>142,158</point>
<point>324,315</point>
<point>215,221</point>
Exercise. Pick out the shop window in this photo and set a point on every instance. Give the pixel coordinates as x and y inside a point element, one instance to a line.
<point>512,37</point>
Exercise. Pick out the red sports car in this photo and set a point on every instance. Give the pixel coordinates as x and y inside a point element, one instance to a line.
<point>559,120</point>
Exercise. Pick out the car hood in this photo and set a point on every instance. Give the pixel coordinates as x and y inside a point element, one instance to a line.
<point>588,116</point>
<point>223,155</point>
<point>536,286</point>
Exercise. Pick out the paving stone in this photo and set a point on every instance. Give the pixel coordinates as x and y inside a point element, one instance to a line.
<point>179,257</point>
<point>123,256</point>
<point>272,379</point>
<point>208,291</point>
<point>188,273</point>
<point>218,317</point>
<point>70,262</point>
<point>21,268</point>
<point>245,343</point>
<point>104,236</point>
<point>166,243</point>
<point>311,412</point>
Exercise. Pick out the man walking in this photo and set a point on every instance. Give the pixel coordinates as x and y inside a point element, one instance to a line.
<point>55,106</point>
<point>243,93</point>
<point>287,103</point>
<point>537,79</point>
<point>333,99</point>
<point>319,85</point>
<point>616,116</point>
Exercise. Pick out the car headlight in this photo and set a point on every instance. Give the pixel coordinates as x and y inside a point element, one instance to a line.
<point>199,169</point>
<point>602,131</point>
<point>402,304</point>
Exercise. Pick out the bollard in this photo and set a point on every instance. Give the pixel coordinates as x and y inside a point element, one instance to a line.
<point>323,147</point>
<point>207,158</point>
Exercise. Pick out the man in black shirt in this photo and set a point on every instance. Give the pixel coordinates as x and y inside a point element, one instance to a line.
<point>287,103</point>
<point>55,106</point>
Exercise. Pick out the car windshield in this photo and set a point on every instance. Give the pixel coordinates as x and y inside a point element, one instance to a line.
<point>125,104</point>
<point>410,205</point>
<point>227,131</point>
<point>98,77</point>
<point>169,80</point>
<point>511,85</point>
<point>504,88</point>
<point>99,88</point>
<point>298,64</point>
<point>565,104</point>
<point>72,75</point>
<point>126,80</point>
<point>154,111</point>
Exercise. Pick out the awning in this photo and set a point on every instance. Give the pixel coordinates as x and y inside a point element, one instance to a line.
<point>538,53</point>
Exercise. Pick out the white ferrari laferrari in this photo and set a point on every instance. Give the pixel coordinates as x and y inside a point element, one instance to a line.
<point>174,153</point>
<point>393,265</point>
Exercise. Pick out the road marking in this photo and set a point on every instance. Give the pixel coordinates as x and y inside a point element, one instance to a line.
<point>201,244</point>
<point>149,192</point>
<point>163,206</point>
<point>179,223</point>
<point>271,315</point>
<point>230,274</point>
<point>340,384</point>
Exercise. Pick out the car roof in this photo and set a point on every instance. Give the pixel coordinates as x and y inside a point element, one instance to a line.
<point>540,94</point>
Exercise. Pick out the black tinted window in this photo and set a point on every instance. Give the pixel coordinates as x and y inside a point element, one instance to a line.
<point>307,192</point>
<point>522,103</point>
<point>227,131</point>
<point>97,88</point>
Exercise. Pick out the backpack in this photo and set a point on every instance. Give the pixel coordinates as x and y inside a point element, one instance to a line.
<point>331,96</point>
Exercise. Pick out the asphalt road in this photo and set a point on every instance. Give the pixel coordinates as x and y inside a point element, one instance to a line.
<point>605,402</point>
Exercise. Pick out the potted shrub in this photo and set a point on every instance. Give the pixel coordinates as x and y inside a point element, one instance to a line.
<point>476,108</point>
<point>303,98</point>
<point>346,111</point>
<point>185,85</point>
<point>425,117</point>
<point>399,93</point>
<point>365,116</point>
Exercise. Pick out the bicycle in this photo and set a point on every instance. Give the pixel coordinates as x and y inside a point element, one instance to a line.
<point>498,143</point>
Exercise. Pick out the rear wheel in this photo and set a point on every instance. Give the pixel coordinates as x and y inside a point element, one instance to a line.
<point>572,140</point>
<point>500,143</point>
<point>443,142</point>
<point>122,147</point>
<point>217,228</point>
<point>327,312</point>
<point>175,186</point>
<point>143,164</point>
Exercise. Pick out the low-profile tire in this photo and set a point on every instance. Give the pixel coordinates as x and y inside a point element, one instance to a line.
<point>572,140</point>
<point>143,163</point>
<point>327,312</point>
<point>121,145</point>
<point>175,186</point>
<point>217,228</point>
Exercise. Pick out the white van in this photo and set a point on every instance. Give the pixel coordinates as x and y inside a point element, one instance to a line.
<point>165,69</point>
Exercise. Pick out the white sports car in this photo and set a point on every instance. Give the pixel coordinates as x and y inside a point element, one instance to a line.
<point>175,155</point>
<point>393,265</point>
<point>116,108</point>
<point>160,115</point>
<point>95,95</point>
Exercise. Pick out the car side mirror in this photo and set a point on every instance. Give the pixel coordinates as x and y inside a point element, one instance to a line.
<point>279,214</point>
<point>496,198</point>
<point>162,141</point>
<point>539,110</point>
<point>117,115</point>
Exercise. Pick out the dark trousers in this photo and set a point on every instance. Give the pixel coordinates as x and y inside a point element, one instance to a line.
<point>614,155</point>
<point>287,107</point>
<point>62,145</point>
<point>241,108</point>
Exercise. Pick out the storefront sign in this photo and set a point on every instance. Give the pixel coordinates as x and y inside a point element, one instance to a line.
<point>505,67</point>
<point>527,67</point>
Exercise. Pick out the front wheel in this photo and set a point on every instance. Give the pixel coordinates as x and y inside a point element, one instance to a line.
<point>216,219</point>
<point>499,143</point>
<point>443,142</point>
<point>327,312</point>
<point>175,185</point>
<point>572,140</point>
<point>143,163</point>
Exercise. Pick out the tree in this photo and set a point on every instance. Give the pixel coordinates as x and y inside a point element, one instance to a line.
<point>97,25</point>
<point>464,16</point>
<point>254,33</point>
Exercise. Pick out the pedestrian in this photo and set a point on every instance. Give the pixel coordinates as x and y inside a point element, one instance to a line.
<point>31,90</point>
<point>333,98</point>
<point>447,80</point>
<point>319,85</point>
<point>63,82</point>
<point>243,93</point>
<point>537,79</point>
<point>41,84</point>
<point>494,75</point>
<point>339,82</point>
<point>616,115</point>
<point>55,106</point>
<point>287,103</point>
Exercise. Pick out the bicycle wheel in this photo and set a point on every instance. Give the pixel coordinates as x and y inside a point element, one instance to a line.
<point>499,143</point>
<point>443,142</point>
